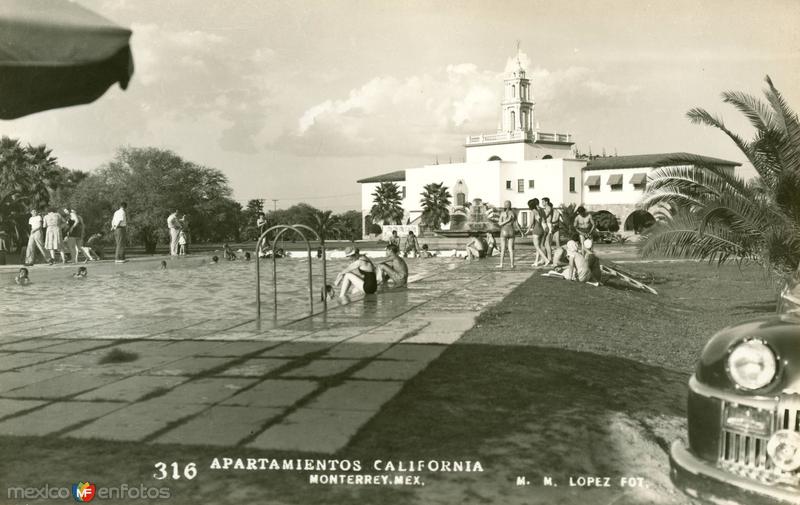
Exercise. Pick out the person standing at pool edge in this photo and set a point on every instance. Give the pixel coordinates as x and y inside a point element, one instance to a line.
<point>508,226</point>
<point>35,239</point>
<point>119,225</point>
<point>174,225</point>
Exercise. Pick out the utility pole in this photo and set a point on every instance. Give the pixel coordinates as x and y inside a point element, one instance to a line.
<point>274,204</point>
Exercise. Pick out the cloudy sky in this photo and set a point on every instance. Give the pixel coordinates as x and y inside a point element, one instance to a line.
<point>295,100</point>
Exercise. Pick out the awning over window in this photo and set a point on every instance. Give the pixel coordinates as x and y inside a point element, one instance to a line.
<point>593,180</point>
<point>637,179</point>
<point>614,179</point>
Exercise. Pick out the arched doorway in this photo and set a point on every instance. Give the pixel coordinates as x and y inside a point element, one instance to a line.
<point>495,158</point>
<point>639,220</point>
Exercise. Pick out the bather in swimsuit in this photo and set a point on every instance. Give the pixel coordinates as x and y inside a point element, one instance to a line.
<point>370,281</point>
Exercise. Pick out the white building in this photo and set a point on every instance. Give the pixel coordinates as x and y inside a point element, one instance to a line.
<point>518,163</point>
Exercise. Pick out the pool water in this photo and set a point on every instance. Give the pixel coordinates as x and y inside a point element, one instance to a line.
<point>222,291</point>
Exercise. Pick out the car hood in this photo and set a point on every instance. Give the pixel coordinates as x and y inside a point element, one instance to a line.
<point>779,332</point>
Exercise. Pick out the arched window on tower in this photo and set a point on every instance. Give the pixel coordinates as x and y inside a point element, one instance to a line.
<point>513,90</point>
<point>524,120</point>
<point>513,120</point>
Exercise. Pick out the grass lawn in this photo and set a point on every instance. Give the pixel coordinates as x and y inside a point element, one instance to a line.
<point>558,380</point>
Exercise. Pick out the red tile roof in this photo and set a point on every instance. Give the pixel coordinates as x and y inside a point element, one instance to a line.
<point>398,175</point>
<point>652,160</point>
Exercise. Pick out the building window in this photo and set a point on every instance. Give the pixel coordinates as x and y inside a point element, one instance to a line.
<point>404,192</point>
<point>593,182</point>
<point>461,199</point>
<point>524,216</point>
<point>572,185</point>
<point>530,184</point>
<point>513,120</point>
<point>513,91</point>
<point>520,185</point>
<point>639,181</point>
<point>508,184</point>
<point>615,181</point>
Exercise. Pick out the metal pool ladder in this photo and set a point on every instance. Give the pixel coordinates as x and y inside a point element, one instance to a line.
<point>297,228</point>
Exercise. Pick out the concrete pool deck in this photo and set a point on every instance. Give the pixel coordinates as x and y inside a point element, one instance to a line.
<point>308,385</point>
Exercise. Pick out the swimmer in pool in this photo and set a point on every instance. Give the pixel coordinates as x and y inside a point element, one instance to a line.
<point>163,265</point>
<point>247,256</point>
<point>22,277</point>
<point>214,260</point>
<point>81,273</point>
<point>328,293</point>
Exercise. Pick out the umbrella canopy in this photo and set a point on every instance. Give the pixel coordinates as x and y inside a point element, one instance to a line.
<point>55,53</point>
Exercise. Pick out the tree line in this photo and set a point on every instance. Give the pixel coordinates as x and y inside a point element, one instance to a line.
<point>154,182</point>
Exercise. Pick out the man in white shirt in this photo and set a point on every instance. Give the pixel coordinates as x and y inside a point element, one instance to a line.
<point>36,238</point>
<point>174,225</point>
<point>119,225</point>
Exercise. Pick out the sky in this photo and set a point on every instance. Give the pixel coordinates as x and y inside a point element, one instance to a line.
<point>296,100</point>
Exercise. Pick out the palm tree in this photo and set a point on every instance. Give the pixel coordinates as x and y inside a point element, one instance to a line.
<point>435,205</point>
<point>387,206</point>
<point>718,216</point>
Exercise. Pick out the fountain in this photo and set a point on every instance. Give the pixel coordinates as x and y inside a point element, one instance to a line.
<point>471,219</point>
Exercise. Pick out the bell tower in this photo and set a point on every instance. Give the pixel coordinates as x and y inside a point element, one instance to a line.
<point>517,106</point>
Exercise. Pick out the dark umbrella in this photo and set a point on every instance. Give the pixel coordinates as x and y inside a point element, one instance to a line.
<point>55,53</point>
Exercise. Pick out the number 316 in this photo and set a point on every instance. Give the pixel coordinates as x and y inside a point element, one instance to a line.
<point>162,472</point>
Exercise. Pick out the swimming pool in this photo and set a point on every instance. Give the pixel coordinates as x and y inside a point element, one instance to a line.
<point>206,291</point>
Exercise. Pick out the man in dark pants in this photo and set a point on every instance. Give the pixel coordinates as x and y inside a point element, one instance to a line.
<point>119,224</point>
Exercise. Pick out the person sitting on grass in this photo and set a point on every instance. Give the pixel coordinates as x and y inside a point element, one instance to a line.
<point>360,275</point>
<point>412,245</point>
<point>22,277</point>
<point>395,268</point>
<point>578,267</point>
<point>592,261</point>
<point>476,248</point>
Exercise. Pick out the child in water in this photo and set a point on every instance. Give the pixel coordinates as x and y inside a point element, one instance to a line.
<point>81,273</point>
<point>163,265</point>
<point>22,277</point>
<point>214,260</point>
<point>247,256</point>
<point>328,293</point>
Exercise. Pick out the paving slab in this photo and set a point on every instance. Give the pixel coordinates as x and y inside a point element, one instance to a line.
<point>296,349</point>
<point>445,329</point>
<point>189,366</point>
<point>390,370</point>
<point>132,388</point>
<point>357,395</point>
<point>21,359</point>
<point>55,417</point>
<point>322,368</point>
<point>313,430</point>
<point>135,422</point>
<point>273,393</point>
<point>27,345</point>
<point>414,352</point>
<point>206,391</point>
<point>62,386</point>
<point>9,407</point>
<point>221,425</point>
<point>237,349</point>
<point>76,346</point>
<point>255,367</point>
<point>13,380</point>
<point>357,350</point>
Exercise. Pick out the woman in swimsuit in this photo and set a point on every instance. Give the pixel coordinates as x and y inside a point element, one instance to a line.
<point>508,222</point>
<point>537,229</point>
<point>360,274</point>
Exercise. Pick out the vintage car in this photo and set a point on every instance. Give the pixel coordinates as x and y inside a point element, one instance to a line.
<point>744,413</point>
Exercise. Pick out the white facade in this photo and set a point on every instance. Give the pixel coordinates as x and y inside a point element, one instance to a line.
<point>518,163</point>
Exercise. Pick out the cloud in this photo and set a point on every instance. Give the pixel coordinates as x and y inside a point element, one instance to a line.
<point>432,113</point>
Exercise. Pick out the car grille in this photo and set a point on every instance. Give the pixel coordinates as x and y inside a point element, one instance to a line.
<point>746,455</point>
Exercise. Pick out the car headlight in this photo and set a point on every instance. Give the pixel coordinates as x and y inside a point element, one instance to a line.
<point>752,365</point>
